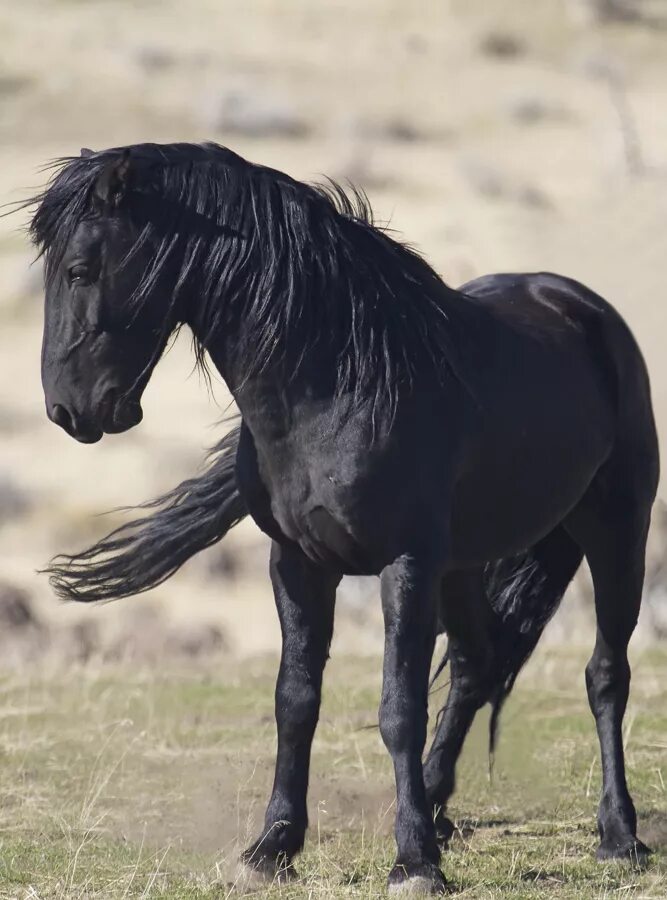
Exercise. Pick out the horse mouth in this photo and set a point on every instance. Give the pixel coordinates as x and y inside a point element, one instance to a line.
<point>88,437</point>
<point>122,415</point>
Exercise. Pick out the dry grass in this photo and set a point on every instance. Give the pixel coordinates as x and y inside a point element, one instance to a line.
<point>120,783</point>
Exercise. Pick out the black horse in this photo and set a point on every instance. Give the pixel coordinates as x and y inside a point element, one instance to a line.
<point>470,446</point>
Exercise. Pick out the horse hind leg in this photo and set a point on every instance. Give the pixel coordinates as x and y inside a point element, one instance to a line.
<point>611,526</point>
<point>409,602</point>
<point>494,620</point>
<point>467,618</point>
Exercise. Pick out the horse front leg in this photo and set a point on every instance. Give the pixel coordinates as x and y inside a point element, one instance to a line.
<point>409,603</point>
<point>305,598</point>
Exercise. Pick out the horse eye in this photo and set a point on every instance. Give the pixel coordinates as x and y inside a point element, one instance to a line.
<point>78,274</point>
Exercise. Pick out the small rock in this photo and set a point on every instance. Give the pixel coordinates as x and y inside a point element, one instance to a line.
<point>491,183</point>
<point>14,501</point>
<point>587,12</point>
<point>146,635</point>
<point>502,45</point>
<point>485,180</point>
<point>529,195</point>
<point>155,59</point>
<point>392,129</point>
<point>244,112</point>
<point>416,43</point>
<point>195,639</point>
<point>13,84</point>
<point>530,109</point>
<point>16,612</point>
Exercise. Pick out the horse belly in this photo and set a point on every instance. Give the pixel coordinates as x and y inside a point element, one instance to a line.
<point>513,499</point>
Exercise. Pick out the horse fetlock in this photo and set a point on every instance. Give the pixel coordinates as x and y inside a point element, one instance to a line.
<point>256,875</point>
<point>444,827</point>
<point>623,848</point>
<point>616,818</point>
<point>617,826</point>
<point>438,790</point>
<point>415,835</point>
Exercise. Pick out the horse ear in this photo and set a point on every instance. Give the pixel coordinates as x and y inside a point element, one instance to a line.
<point>85,151</point>
<point>113,182</point>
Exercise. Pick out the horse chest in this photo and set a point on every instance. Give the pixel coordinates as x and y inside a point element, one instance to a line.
<point>330,519</point>
<point>333,501</point>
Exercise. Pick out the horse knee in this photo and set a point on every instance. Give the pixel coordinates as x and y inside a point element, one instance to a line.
<point>297,707</point>
<point>398,728</point>
<point>607,680</point>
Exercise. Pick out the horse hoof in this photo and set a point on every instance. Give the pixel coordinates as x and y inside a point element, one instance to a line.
<point>255,872</point>
<point>631,850</point>
<point>425,880</point>
<point>250,878</point>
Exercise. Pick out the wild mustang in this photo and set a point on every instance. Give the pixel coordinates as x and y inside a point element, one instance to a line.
<point>469,446</point>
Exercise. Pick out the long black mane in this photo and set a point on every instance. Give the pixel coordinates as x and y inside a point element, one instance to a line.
<point>301,264</point>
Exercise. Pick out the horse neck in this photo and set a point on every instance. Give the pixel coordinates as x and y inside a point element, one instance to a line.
<point>269,397</point>
<point>301,352</point>
<point>260,353</point>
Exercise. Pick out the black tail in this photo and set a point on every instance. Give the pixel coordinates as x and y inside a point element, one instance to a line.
<point>524,592</point>
<point>147,551</point>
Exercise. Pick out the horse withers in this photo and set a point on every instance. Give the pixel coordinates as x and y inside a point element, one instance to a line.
<point>469,446</point>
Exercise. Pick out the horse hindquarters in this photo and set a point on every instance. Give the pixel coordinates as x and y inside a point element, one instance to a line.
<point>611,524</point>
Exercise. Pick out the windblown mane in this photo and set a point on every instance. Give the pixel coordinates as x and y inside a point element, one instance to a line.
<point>300,264</point>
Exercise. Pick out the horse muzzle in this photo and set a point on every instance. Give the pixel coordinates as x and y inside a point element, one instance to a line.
<point>113,416</point>
<point>75,425</point>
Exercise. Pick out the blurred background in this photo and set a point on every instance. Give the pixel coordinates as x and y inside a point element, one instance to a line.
<point>504,135</point>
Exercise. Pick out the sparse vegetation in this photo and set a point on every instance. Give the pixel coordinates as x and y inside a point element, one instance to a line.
<point>125,783</point>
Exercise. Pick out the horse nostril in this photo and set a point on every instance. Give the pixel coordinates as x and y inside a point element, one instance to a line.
<point>62,418</point>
